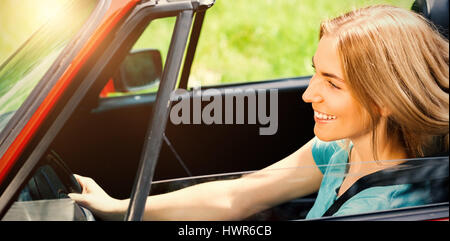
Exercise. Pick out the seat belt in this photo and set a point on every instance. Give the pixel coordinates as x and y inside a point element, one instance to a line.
<point>418,171</point>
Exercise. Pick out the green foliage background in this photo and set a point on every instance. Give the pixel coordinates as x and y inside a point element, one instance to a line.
<point>241,40</point>
<point>265,39</point>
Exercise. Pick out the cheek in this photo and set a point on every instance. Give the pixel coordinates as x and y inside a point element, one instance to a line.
<point>358,119</point>
<point>352,119</point>
<point>345,107</point>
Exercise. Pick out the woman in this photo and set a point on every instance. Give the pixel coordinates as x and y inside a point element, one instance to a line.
<point>379,93</point>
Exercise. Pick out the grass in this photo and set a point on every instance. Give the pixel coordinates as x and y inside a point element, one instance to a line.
<point>241,40</point>
<point>20,18</point>
<point>20,75</point>
<point>255,40</point>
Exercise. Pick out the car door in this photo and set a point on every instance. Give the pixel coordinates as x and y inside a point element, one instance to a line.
<point>420,184</point>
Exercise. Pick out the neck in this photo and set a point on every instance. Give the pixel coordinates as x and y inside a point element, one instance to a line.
<point>389,151</point>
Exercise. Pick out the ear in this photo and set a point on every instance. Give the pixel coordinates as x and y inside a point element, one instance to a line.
<point>384,111</point>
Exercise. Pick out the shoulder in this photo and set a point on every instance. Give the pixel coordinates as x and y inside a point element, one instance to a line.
<point>382,198</point>
<point>323,152</point>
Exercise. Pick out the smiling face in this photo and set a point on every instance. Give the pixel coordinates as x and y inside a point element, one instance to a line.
<point>337,114</point>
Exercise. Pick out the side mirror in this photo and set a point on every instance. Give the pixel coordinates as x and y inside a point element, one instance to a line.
<point>141,69</point>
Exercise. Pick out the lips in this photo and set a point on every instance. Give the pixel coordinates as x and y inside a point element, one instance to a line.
<point>323,116</point>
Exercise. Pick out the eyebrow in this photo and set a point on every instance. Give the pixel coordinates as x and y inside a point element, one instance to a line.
<point>327,74</point>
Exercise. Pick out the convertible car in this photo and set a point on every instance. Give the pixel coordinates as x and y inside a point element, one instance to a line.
<point>94,97</point>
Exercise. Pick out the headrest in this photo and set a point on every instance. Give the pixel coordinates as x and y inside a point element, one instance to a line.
<point>434,10</point>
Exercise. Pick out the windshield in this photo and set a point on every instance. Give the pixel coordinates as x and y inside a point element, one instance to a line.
<point>20,73</point>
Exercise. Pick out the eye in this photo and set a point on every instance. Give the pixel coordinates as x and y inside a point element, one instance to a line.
<point>333,85</point>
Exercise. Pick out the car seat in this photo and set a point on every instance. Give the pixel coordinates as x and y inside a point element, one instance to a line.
<point>434,10</point>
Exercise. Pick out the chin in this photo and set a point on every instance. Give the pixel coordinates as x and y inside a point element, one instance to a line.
<point>324,136</point>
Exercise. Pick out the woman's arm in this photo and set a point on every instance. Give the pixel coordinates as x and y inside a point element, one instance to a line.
<point>294,176</point>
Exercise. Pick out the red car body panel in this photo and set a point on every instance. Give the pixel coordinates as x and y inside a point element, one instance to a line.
<point>118,9</point>
<point>109,88</point>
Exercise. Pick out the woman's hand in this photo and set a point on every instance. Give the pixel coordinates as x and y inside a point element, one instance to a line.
<point>98,201</point>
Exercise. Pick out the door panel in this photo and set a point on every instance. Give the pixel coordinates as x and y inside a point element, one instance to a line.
<point>106,143</point>
<point>208,149</point>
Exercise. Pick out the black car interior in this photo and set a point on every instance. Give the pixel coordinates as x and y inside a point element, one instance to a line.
<point>436,11</point>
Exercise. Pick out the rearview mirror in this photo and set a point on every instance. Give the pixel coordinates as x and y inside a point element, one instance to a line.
<point>140,70</point>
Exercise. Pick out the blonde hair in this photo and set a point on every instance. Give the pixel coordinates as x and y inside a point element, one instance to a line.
<point>394,58</point>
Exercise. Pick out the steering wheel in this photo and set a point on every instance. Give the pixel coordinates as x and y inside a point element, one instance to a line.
<point>54,180</point>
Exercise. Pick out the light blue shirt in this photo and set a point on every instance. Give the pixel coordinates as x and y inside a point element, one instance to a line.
<point>332,161</point>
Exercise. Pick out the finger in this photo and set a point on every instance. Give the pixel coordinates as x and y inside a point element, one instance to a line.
<point>75,196</point>
<point>79,178</point>
<point>83,181</point>
<point>78,198</point>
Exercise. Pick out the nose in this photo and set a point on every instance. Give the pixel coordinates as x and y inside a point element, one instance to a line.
<point>311,94</point>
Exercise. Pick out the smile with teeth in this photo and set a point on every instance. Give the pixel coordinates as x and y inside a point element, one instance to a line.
<point>323,116</point>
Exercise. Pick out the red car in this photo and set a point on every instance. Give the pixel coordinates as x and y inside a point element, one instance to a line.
<point>58,117</point>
